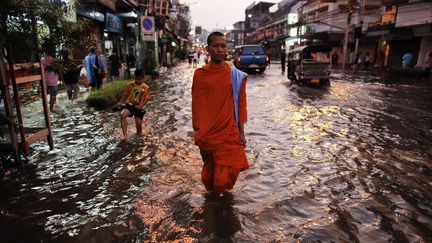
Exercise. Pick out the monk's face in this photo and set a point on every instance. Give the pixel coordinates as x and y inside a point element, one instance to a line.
<point>217,48</point>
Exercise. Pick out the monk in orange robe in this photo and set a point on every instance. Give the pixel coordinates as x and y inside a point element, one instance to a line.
<point>218,117</point>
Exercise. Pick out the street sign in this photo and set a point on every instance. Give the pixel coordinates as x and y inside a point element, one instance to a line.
<point>198,30</point>
<point>292,18</point>
<point>147,28</point>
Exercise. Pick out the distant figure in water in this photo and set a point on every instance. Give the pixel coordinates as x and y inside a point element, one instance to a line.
<point>218,117</point>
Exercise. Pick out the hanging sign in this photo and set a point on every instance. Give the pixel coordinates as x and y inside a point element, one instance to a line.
<point>292,18</point>
<point>113,23</point>
<point>147,28</point>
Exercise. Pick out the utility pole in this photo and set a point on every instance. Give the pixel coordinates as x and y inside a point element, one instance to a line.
<point>300,20</point>
<point>360,22</point>
<point>350,7</point>
<point>142,11</point>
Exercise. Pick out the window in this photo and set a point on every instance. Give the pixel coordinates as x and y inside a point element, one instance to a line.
<point>253,50</point>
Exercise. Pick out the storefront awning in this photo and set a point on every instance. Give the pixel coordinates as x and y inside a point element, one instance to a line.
<point>325,36</point>
<point>377,32</point>
<point>91,14</point>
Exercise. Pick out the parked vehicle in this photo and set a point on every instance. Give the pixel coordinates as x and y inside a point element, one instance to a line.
<point>250,57</point>
<point>309,65</point>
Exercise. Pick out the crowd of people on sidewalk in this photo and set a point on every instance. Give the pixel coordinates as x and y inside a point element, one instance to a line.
<point>90,72</point>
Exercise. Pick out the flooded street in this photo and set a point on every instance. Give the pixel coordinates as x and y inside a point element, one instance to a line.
<point>351,163</point>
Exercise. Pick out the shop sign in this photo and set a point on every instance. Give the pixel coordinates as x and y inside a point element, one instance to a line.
<point>147,28</point>
<point>113,23</point>
<point>303,30</point>
<point>198,30</point>
<point>292,18</point>
<point>293,32</point>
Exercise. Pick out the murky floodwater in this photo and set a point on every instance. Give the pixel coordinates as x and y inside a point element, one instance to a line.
<point>351,163</point>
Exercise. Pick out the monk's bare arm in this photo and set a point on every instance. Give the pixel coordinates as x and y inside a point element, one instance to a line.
<point>243,104</point>
<point>197,103</point>
<point>242,138</point>
<point>242,113</point>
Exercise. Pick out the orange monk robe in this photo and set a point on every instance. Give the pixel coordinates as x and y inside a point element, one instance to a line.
<point>215,130</point>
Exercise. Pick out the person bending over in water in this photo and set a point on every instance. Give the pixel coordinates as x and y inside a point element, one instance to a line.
<point>135,96</point>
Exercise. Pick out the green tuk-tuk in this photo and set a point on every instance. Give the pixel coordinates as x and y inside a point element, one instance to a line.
<point>309,65</point>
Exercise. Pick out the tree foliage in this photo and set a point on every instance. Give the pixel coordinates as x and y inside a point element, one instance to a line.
<point>54,31</point>
<point>182,20</point>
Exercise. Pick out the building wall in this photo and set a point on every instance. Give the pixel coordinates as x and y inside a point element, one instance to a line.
<point>425,49</point>
<point>415,19</point>
<point>406,17</point>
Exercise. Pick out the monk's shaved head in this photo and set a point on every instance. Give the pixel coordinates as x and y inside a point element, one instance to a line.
<point>212,36</point>
<point>216,46</point>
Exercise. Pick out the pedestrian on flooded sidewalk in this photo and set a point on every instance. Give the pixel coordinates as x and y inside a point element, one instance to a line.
<point>218,117</point>
<point>136,95</point>
<point>71,77</point>
<point>115,66</point>
<point>94,67</point>
<point>51,78</point>
<point>356,64</point>
<point>283,59</point>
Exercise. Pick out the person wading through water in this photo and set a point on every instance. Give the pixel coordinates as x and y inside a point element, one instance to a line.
<point>218,117</point>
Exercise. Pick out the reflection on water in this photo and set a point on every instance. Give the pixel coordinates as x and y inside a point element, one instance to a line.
<point>336,152</point>
<point>350,163</point>
<point>219,222</point>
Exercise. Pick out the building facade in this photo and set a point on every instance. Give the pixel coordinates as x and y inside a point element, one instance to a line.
<point>404,25</point>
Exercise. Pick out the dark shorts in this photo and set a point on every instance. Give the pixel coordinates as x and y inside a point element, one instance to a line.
<point>52,91</point>
<point>114,72</point>
<point>95,81</point>
<point>137,113</point>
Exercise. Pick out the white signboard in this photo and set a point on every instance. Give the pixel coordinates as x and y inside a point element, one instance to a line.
<point>147,28</point>
<point>292,18</point>
<point>293,31</point>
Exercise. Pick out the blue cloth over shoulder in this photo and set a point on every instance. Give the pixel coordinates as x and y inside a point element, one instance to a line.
<point>237,77</point>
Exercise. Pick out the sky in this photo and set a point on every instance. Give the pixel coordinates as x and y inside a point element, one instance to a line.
<point>211,14</point>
